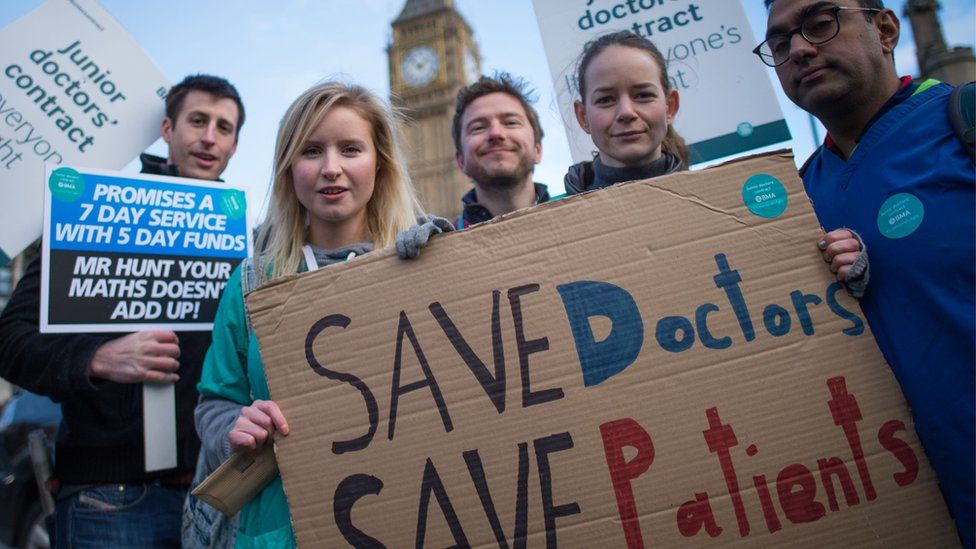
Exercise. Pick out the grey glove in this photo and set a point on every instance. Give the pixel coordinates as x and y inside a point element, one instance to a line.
<point>857,278</point>
<point>410,241</point>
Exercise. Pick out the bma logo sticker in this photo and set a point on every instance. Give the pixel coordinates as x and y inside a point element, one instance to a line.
<point>764,195</point>
<point>232,203</point>
<point>900,215</point>
<point>66,185</point>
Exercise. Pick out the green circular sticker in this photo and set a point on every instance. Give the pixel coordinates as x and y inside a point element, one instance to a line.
<point>764,195</point>
<point>66,184</point>
<point>900,215</point>
<point>744,129</point>
<point>233,203</point>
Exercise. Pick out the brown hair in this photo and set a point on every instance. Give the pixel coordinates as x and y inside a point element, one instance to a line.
<point>501,82</point>
<point>673,143</point>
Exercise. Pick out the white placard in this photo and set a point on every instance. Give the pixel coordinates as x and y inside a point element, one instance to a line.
<point>727,104</point>
<point>159,425</point>
<point>75,88</point>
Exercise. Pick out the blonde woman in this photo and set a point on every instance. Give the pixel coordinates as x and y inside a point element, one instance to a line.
<point>340,189</point>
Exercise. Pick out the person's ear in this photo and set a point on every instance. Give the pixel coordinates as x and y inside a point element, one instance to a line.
<point>166,131</point>
<point>538,153</point>
<point>673,102</point>
<point>889,29</point>
<point>580,109</point>
<point>460,161</point>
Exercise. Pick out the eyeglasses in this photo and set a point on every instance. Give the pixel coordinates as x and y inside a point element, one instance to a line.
<point>817,28</point>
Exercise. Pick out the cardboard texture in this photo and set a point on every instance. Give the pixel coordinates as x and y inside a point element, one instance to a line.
<point>238,480</point>
<point>659,363</point>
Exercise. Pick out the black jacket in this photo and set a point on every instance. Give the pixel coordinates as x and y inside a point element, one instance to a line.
<point>582,177</point>
<point>100,437</point>
<point>157,165</point>
<point>473,212</point>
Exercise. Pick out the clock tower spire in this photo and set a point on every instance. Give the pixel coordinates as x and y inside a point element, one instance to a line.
<point>431,56</point>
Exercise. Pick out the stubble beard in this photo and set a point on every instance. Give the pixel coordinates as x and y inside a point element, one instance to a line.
<point>502,179</point>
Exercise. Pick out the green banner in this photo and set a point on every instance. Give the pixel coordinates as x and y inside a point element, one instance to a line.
<point>745,139</point>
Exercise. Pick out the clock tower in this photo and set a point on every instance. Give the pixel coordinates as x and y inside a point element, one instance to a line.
<point>431,56</point>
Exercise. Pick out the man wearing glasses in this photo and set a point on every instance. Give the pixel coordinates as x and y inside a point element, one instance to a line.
<point>892,170</point>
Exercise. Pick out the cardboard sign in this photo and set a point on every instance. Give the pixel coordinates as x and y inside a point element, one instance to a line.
<point>75,88</point>
<point>126,252</point>
<point>658,363</point>
<point>708,48</point>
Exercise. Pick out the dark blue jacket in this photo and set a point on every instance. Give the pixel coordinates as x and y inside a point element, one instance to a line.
<point>908,190</point>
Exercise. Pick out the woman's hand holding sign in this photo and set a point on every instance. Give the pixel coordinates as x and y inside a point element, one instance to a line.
<point>256,426</point>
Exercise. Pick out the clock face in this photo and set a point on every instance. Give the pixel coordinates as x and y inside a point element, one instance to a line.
<point>471,72</point>
<point>419,66</point>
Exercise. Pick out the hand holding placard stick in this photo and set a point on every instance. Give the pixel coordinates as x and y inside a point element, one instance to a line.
<point>151,356</point>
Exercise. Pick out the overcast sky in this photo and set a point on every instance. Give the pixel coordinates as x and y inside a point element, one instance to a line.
<point>274,50</point>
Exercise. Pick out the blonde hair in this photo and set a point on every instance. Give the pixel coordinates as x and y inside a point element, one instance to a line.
<point>393,206</point>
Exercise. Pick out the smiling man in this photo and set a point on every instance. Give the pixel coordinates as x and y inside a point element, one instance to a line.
<point>204,115</point>
<point>104,494</point>
<point>893,170</point>
<point>498,142</point>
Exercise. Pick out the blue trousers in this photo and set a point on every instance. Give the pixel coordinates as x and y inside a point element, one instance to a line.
<point>119,515</point>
